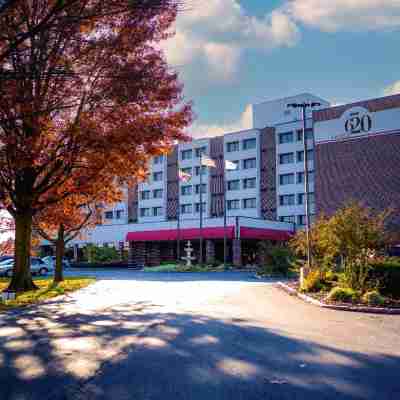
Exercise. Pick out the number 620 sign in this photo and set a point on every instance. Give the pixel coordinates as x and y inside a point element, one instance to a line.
<point>358,123</point>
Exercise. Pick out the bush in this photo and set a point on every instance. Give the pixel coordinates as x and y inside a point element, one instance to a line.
<point>386,276</point>
<point>373,298</point>
<point>275,260</point>
<point>345,295</point>
<point>94,254</point>
<point>313,282</point>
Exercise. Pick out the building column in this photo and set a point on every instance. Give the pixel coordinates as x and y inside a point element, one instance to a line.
<point>210,252</point>
<point>237,252</point>
<point>154,254</point>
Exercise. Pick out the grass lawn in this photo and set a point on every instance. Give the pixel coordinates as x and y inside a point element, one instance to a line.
<point>46,290</point>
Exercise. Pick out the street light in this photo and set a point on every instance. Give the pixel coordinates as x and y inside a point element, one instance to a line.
<point>304,107</point>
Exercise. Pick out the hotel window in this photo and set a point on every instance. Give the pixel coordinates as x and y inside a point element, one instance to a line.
<point>158,160</point>
<point>311,176</point>
<point>286,179</point>
<point>186,209</point>
<point>145,195</point>
<point>234,185</point>
<point>286,158</point>
<point>249,183</point>
<point>145,212</point>
<point>187,170</point>
<point>287,218</point>
<point>119,214</point>
<point>309,134</point>
<point>232,146</point>
<point>204,189</point>
<point>158,193</point>
<point>157,211</point>
<point>286,137</point>
<point>108,215</point>
<point>287,200</point>
<point>197,170</point>
<point>157,176</point>
<point>302,196</point>
<point>186,190</point>
<point>200,150</point>
<point>249,144</point>
<point>198,207</point>
<point>301,219</point>
<point>249,163</point>
<point>233,204</point>
<point>186,154</point>
<point>300,177</point>
<point>300,155</point>
<point>249,203</point>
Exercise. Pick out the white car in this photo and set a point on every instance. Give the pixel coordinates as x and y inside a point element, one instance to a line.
<point>51,260</point>
<point>38,267</point>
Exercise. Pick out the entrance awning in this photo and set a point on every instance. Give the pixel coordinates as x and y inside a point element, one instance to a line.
<point>264,234</point>
<point>185,234</point>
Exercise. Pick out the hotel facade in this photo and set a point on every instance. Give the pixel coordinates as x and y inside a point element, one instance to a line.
<point>353,154</point>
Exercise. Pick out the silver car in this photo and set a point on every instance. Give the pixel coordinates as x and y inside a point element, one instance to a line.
<point>38,267</point>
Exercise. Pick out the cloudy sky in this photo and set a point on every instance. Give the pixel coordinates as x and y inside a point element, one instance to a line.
<point>231,53</point>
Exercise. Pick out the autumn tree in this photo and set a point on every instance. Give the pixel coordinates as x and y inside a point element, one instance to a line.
<point>90,92</point>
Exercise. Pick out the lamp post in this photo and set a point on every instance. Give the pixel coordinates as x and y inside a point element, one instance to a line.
<point>304,107</point>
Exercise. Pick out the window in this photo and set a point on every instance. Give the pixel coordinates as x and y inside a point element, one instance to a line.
<point>204,168</point>
<point>286,158</point>
<point>237,162</point>
<point>233,204</point>
<point>145,195</point>
<point>186,209</point>
<point>186,154</point>
<point>157,176</point>
<point>198,207</point>
<point>145,212</point>
<point>249,163</point>
<point>301,219</point>
<point>249,203</point>
<point>108,215</point>
<point>287,200</point>
<point>310,155</point>
<point>249,144</point>
<point>249,183</point>
<point>234,185</point>
<point>287,218</point>
<point>157,211</point>
<point>286,179</point>
<point>201,150</point>
<point>204,188</point>
<point>300,177</point>
<point>309,134</point>
<point>186,190</point>
<point>232,146</point>
<point>158,193</point>
<point>158,159</point>
<point>119,214</point>
<point>311,198</point>
<point>311,176</point>
<point>301,198</point>
<point>187,170</point>
<point>285,137</point>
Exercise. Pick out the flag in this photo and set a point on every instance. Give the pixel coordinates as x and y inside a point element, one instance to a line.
<point>208,162</point>
<point>229,165</point>
<point>184,176</point>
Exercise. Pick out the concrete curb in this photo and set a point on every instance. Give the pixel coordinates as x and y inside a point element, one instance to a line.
<point>363,309</point>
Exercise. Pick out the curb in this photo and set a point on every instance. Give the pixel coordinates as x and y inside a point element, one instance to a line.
<point>362,309</point>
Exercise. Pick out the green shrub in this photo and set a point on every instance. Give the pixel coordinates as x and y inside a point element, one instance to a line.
<point>275,260</point>
<point>386,276</point>
<point>162,268</point>
<point>345,295</point>
<point>313,282</point>
<point>373,298</point>
<point>94,254</point>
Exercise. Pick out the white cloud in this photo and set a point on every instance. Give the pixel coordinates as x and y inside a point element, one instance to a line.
<point>392,89</point>
<point>210,130</point>
<point>349,15</point>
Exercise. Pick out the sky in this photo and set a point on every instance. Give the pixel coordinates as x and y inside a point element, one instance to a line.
<point>231,53</point>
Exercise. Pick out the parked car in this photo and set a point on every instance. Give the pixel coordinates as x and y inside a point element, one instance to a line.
<point>51,260</point>
<point>38,267</point>
<point>5,258</point>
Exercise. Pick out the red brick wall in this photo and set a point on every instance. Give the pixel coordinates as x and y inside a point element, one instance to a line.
<point>366,170</point>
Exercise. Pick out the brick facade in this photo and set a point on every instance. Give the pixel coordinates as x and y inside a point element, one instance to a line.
<point>172,185</point>
<point>217,177</point>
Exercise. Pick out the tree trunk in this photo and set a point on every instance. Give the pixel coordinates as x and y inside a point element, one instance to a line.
<point>60,247</point>
<point>21,280</point>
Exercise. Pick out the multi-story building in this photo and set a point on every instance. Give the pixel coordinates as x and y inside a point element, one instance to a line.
<point>353,153</point>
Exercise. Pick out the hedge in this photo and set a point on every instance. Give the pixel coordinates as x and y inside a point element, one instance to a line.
<point>387,275</point>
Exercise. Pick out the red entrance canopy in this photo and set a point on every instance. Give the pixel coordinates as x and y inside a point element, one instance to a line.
<point>185,234</point>
<point>264,234</point>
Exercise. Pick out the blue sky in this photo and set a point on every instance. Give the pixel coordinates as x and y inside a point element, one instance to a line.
<point>234,52</point>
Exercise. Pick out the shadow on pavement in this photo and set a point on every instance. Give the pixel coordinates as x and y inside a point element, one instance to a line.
<point>137,352</point>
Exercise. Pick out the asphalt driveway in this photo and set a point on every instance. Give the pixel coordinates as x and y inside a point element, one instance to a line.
<point>192,336</point>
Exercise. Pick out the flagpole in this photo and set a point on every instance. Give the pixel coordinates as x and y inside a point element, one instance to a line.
<point>225,239</point>
<point>201,209</point>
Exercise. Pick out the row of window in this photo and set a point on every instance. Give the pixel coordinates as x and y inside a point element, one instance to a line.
<point>290,199</point>
<point>197,170</point>
<point>301,219</point>
<point>117,214</point>
<point>188,208</point>
<point>288,158</point>
<point>151,212</point>
<point>246,204</point>
<point>248,183</point>
<point>188,190</point>
<point>289,179</point>
<point>146,194</point>
<point>288,137</point>
<point>188,154</point>
<point>247,144</point>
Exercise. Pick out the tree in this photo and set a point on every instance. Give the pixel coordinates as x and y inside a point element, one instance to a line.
<point>88,93</point>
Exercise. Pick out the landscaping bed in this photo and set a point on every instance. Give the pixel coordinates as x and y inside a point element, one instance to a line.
<point>184,268</point>
<point>47,290</point>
